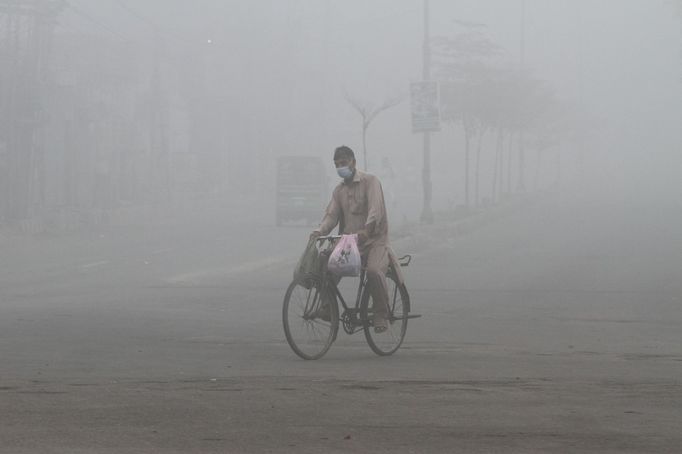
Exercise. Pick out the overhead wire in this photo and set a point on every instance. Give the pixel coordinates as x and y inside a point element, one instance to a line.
<point>76,9</point>
<point>135,14</point>
<point>71,6</point>
<point>149,22</point>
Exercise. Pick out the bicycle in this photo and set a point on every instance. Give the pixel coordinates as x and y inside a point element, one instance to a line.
<point>310,313</point>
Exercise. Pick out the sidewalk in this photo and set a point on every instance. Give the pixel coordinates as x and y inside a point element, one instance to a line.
<point>448,227</point>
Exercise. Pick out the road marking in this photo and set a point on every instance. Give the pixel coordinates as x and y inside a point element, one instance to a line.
<point>195,277</point>
<point>94,264</point>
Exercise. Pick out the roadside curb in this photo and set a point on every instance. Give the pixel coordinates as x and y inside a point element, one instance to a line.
<point>421,237</point>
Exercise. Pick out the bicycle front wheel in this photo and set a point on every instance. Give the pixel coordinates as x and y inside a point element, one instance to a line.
<point>310,318</point>
<point>387,342</point>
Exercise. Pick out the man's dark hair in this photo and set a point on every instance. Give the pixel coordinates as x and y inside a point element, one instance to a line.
<point>343,152</point>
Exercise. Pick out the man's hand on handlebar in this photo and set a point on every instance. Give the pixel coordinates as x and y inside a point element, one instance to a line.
<point>363,236</point>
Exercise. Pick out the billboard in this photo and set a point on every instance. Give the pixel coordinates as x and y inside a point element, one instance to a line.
<point>425,103</point>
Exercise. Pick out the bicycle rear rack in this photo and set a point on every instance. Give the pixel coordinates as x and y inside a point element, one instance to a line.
<point>405,260</point>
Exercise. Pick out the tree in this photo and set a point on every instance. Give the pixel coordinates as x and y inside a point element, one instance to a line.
<point>462,64</point>
<point>485,96</point>
<point>368,113</point>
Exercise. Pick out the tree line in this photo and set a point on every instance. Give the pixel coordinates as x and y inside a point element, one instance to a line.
<point>496,102</point>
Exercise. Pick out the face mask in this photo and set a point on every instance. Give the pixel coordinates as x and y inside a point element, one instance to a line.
<point>344,172</point>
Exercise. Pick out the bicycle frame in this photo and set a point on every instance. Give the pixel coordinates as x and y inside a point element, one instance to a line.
<point>350,317</point>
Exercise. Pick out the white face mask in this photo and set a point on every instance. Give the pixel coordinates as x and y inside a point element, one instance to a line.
<point>344,172</point>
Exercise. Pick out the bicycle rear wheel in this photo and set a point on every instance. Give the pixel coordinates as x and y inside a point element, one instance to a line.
<point>387,342</point>
<point>310,318</point>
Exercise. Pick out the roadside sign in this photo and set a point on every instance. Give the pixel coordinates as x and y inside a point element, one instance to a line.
<point>425,106</point>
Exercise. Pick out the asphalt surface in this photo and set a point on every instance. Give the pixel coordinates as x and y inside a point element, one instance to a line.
<point>554,328</point>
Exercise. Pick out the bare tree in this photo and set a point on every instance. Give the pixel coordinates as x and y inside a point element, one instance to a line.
<point>462,64</point>
<point>368,113</point>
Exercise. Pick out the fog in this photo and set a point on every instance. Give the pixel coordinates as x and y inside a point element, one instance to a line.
<point>152,209</point>
<point>223,88</point>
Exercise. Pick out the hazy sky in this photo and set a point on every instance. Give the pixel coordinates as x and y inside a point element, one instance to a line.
<point>287,62</point>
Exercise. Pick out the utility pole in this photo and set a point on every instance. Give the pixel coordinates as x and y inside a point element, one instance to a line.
<point>427,213</point>
<point>26,29</point>
<point>522,65</point>
<point>158,123</point>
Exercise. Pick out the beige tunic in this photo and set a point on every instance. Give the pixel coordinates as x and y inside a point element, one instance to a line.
<point>356,204</point>
<point>353,206</point>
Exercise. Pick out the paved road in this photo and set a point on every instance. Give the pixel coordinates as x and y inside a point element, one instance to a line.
<point>555,329</point>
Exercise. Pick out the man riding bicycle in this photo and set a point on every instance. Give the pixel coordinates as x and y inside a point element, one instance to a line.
<point>357,206</point>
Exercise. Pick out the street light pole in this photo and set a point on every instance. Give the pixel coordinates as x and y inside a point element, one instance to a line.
<point>427,213</point>
<point>521,186</point>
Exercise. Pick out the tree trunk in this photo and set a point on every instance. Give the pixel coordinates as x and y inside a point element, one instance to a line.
<point>557,180</point>
<point>478,165</point>
<point>500,189</point>
<point>364,143</point>
<point>467,140</point>
<point>496,167</point>
<point>509,164</point>
<point>538,162</point>
<point>521,184</point>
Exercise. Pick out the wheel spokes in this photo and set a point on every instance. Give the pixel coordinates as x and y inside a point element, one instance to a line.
<point>388,341</point>
<point>307,332</point>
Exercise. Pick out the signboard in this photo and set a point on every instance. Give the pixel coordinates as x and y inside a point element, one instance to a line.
<point>425,106</point>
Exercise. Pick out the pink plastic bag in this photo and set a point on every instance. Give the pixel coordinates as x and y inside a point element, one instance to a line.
<point>345,259</point>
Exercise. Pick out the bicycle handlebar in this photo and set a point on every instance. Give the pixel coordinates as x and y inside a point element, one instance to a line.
<point>402,261</point>
<point>328,237</point>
